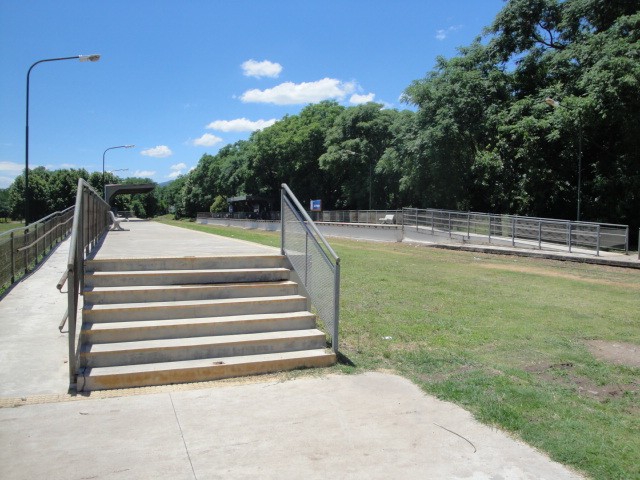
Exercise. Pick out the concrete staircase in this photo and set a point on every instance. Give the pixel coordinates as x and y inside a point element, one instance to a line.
<point>156,321</point>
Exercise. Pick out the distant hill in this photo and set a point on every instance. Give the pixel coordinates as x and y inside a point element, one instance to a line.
<point>164,184</point>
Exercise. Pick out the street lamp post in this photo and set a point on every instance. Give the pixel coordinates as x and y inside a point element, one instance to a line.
<point>82,58</point>
<point>555,104</point>
<point>104,186</point>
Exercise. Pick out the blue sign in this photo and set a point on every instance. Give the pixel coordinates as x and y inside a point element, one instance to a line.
<point>316,205</point>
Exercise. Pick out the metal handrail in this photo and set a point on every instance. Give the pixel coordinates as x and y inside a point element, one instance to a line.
<point>30,237</point>
<point>331,258</point>
<point>512,227</point>
<point>310,223</point>
<point>90,222</point>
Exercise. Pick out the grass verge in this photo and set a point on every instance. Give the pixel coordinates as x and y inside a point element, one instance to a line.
<point>504,337</point>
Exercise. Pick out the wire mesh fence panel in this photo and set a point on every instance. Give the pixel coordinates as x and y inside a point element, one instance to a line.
<point>312,265</point>
<point>314,262</point>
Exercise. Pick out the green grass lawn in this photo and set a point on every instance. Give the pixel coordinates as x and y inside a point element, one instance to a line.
<point>10,225</point>
<point>504,337</point>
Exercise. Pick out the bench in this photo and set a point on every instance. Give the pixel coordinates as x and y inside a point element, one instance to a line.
<point>116,222</point>
<point>388,219</point>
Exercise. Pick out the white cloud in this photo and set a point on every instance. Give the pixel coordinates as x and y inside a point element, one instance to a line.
<point>12,167</point>
<point>178,166</point>
<point>144,173</point>
<point>206,140</point>
<point>240,125</point>
<point>5,182</point>
<point>67,165</point>
<point>251,68</point>
<point>161,151</point>
<point>289,93</point>
<point>358,99</point>
<point>443,33</point>
<point>174,174</point>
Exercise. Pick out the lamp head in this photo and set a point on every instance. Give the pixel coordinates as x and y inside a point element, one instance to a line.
<point>129,146</point>
<point>89,58</point>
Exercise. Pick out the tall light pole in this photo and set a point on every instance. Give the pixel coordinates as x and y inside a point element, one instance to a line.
<point>555,104</point>
<point>82,58</point>
<point>104,186</point>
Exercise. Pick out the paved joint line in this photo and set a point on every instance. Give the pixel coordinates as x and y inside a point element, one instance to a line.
<point>182,436</point>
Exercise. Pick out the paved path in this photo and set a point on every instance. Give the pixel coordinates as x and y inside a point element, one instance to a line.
<point>372,425</point>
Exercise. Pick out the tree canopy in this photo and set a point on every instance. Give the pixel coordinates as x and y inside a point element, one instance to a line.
<point>478,134</point>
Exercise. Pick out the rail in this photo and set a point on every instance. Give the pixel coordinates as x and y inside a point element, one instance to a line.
<point>90,222</point>
<point>529,231</point>
<point>313,260</point>
<point>22,248</point>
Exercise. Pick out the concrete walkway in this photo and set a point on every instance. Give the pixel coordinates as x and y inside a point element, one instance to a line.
<point>372,425</point>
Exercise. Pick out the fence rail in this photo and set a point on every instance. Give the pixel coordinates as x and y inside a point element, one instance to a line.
<point>90,222</point>
<point>512,229</point>
<point>313,260</point>
<point>21,249</point>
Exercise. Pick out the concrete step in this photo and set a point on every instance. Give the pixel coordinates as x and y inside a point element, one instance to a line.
<point>195,327</point>
<point>179,349</point>
<point>185,263</point>
<point>168,293</point>
<point>201,370</point>
<point>184,277</point>
<point>126,312</point>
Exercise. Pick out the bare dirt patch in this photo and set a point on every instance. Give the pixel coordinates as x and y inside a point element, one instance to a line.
<point>563,374</point>
<point>620,353</point>
<point>553,273</point>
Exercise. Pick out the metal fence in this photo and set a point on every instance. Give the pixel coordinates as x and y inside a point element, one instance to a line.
<point>90,221</point>
<point>314,261</point>
<point>21,249</point>
<point>359,216</point>
<point>525,231</point>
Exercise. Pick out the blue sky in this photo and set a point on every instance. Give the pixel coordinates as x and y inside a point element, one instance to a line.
<point>182,78</point>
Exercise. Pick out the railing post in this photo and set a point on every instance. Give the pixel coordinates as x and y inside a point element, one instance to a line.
<point>449,224</point>
<point>489,228</point>
<point>26,250</point>
<point>539,234</point>
<point>514,222</point>
<point>35,239</point>
<point>433,217</point>
<point>336,308</point>
<point>13,257</point>
<point>626,240</point>
<point>569,236</point>
<point>468,225</point>
<point>281,221</point>
<point>598,241</point>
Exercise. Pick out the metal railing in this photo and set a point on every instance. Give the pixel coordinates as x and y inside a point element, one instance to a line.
<point>313,260</point>
<point>22,248</point>
<point>512,229</point>
<point>358,216</point>
<point>90,222</point>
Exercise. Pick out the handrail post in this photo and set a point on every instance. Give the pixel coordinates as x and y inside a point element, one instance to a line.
<point>282,221</point>
<point>539,234</point>
<point>468,225</point>
<point>26,250</point>
<point>336,308</point>
<point>626,240</point>
<point>569,236</point>
<point>514,221</point>
<point>13,257</point>
<point>598,241</point>
<point>489,228</point>
<point>449,224</point>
